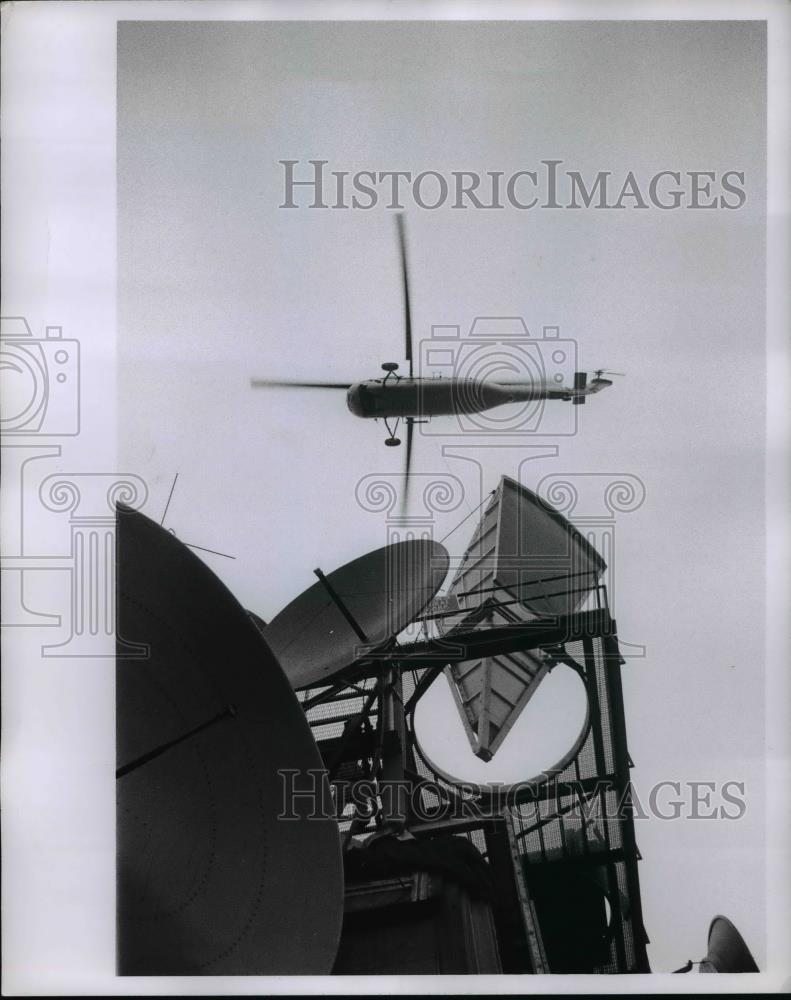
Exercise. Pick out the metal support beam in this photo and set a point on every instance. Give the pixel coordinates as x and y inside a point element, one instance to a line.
<point>469,643</point>
<point>622,761</point>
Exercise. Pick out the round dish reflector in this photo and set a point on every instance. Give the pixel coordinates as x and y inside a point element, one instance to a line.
<point>382,592</point>
<point>210,878</point>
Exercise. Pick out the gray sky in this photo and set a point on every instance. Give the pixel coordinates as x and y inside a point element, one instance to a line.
<point>217,284</point>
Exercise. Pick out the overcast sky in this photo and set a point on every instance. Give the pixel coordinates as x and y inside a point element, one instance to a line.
<point>217,284</point>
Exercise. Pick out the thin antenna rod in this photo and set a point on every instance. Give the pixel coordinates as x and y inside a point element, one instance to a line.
<point>228,712</point>
<point>342,607</point>
<point>170,497</point>
<point>468,516</point>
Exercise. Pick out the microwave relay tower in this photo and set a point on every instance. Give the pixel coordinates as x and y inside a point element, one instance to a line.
<point>277,813</point>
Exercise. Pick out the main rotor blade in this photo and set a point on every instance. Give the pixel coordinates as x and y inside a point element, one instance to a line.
<point>258,383</point>
<point>405,276</point>
<point>407,464</point>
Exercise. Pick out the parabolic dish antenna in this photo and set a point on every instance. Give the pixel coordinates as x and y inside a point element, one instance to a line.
<point>728,951</point>
<point>524,561</point>
<point>320,633</point>
<point>209,879</point>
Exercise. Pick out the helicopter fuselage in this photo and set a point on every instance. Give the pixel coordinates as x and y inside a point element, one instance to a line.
<point>436,397</point>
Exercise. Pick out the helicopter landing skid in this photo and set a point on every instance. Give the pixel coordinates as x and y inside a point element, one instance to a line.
<point>392,441</point>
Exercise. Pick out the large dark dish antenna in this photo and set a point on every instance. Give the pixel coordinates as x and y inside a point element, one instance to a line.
<point>728,951</point>
<point>356,608</point>
<point>210,880</point>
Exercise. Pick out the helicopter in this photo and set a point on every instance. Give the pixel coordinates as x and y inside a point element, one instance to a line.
<point>396,398</point>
